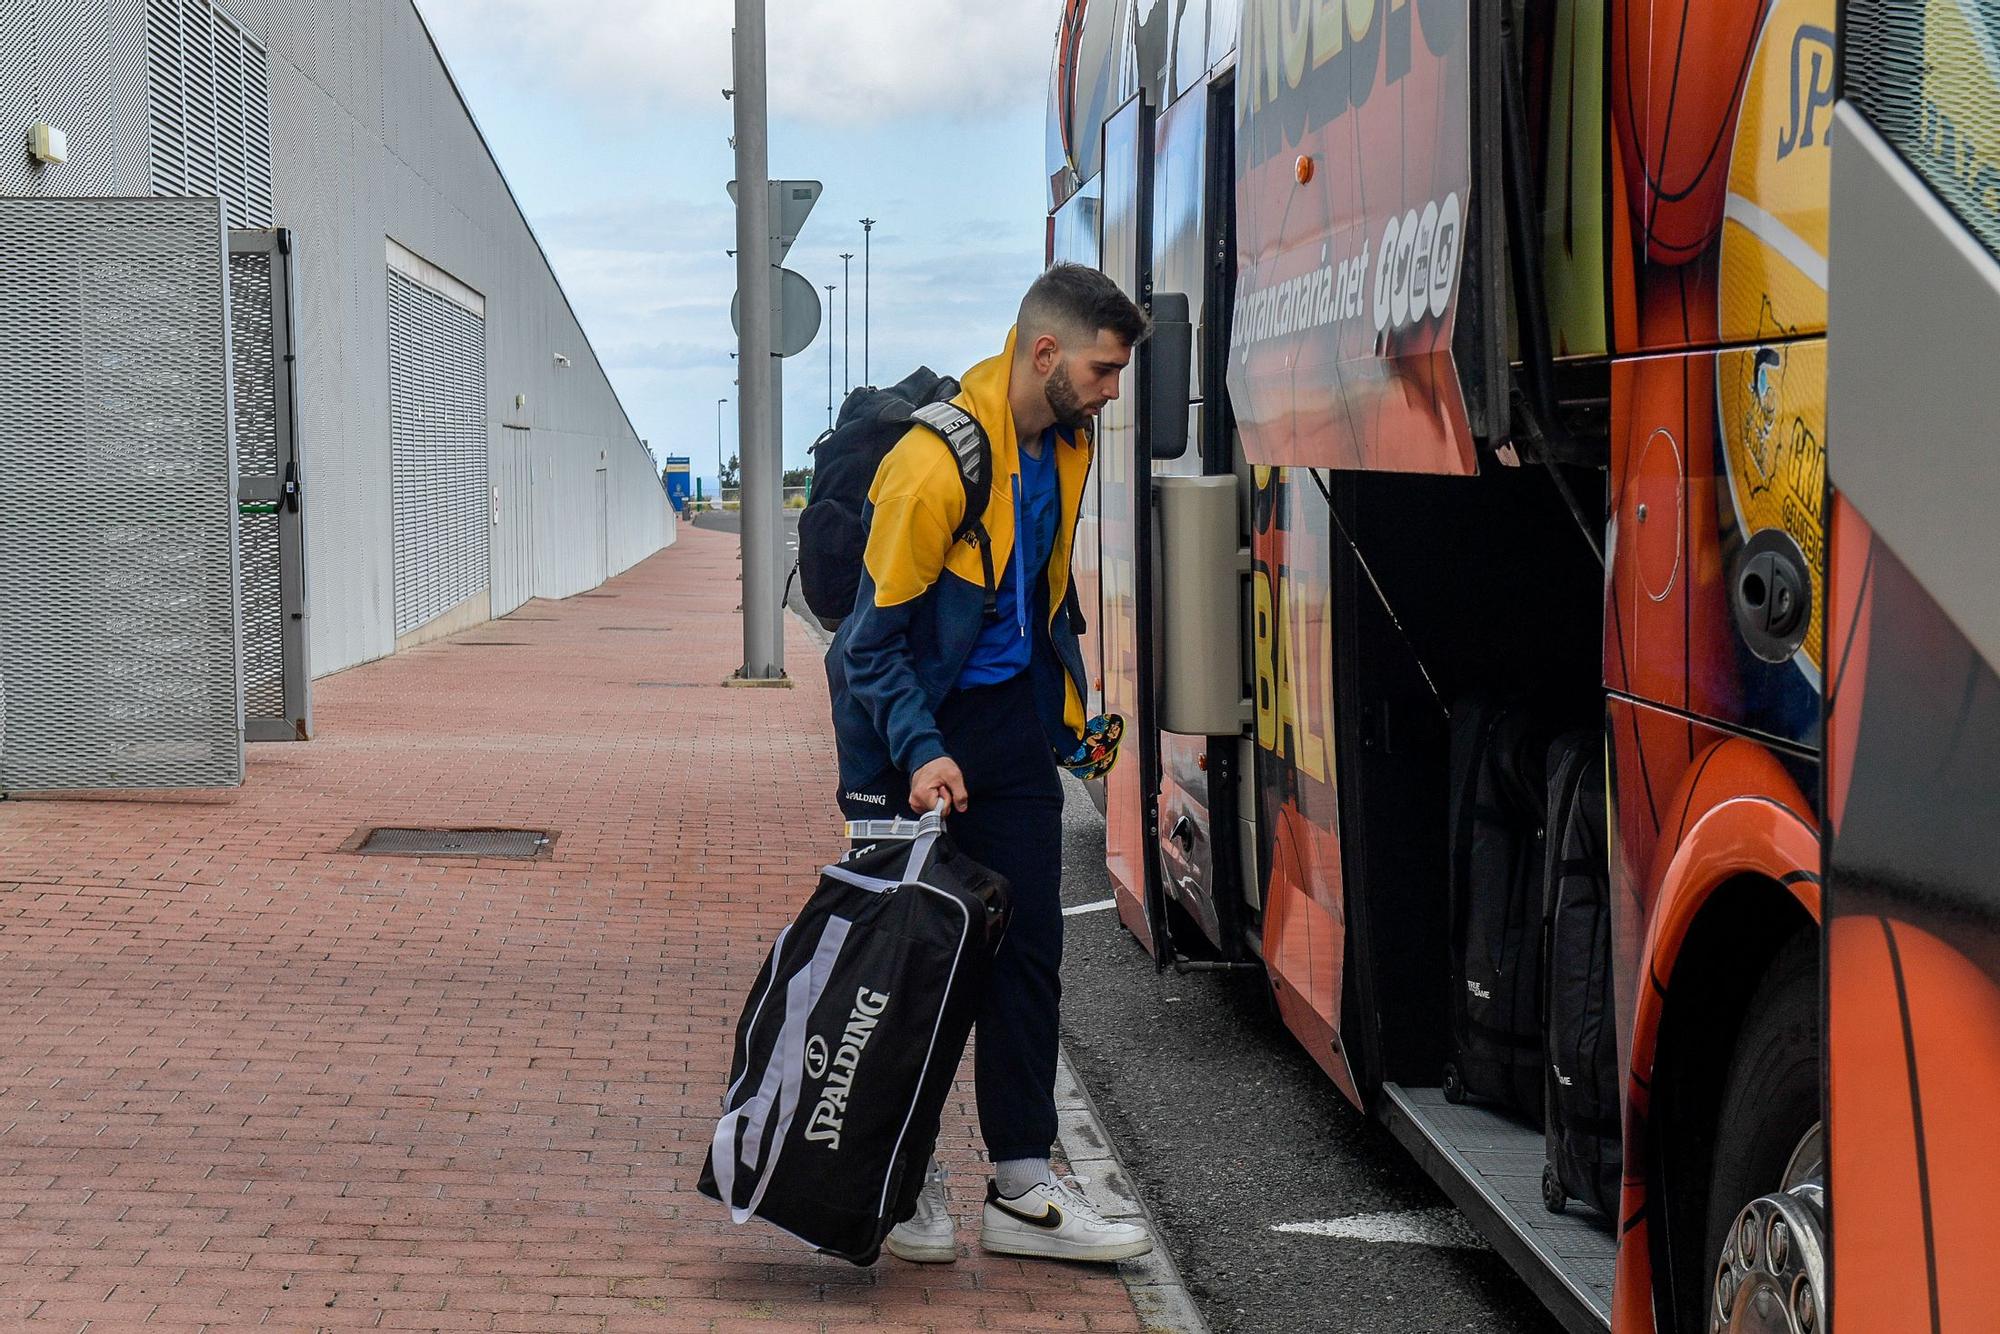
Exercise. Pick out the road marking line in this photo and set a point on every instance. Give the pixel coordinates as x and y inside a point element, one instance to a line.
<point>1083,908</point>
<point>1411,1227</point>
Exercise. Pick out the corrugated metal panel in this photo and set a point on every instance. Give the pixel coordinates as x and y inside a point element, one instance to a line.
<point>438,440</point>
<point>118,562</point>
<point>211,108</point>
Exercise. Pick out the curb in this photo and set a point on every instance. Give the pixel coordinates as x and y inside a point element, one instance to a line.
<point>1163,1302</point>
<point>1159,1296</point>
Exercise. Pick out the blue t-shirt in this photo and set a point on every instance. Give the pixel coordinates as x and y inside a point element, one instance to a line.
<point>1003,648</point>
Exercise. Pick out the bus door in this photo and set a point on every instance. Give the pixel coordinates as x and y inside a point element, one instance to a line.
<point>1202,870</point>
<point>1131,812</point>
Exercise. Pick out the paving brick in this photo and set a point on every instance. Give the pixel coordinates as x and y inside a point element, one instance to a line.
<point>244,1074</point>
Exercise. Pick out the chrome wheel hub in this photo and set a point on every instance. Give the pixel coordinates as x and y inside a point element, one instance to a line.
<point>1771,1276</point>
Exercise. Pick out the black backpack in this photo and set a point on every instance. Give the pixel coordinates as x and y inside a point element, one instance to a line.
<point>832,536</point>
<point>1499,814</point>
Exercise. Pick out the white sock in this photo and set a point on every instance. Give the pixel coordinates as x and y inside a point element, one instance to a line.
<point>1017,1176</point>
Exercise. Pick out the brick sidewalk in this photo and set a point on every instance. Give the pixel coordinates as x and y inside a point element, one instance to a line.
<point>248,1078</point>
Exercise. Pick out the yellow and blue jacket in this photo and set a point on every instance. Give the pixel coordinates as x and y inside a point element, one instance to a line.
<point>922,598</point>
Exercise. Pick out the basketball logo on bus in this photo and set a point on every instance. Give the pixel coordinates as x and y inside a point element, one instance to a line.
<point>1417,265</point>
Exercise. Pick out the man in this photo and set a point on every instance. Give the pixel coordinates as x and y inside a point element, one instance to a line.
<point>936,699</point>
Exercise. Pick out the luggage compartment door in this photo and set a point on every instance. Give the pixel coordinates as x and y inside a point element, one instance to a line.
<point>1363,335</point>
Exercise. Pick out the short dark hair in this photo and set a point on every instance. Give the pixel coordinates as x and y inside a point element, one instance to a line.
<point>1077,299</point>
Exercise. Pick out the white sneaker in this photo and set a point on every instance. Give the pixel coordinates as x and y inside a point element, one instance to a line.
<point>1057,1223</point>
<point>926,1237</point>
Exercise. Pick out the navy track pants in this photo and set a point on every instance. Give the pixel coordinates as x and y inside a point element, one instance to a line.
<point>1012,824</point>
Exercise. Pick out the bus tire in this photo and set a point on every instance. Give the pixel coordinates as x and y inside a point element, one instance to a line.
<point>1771,1098</point>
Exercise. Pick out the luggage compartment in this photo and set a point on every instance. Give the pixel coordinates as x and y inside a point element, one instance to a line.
<point>1451,590</point>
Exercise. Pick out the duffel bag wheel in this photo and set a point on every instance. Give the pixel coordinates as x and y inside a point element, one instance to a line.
<point>1454,1086</point>
<point>1554,1197</point>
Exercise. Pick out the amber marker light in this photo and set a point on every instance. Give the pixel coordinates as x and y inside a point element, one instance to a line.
<point>1303,169</point>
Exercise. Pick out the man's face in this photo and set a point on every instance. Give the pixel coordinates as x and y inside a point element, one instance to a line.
<point>1080,382</point>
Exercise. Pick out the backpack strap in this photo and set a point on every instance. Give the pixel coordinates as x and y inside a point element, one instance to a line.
<point>967,440</point>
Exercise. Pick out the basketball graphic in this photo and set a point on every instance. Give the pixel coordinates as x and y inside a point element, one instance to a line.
<point>1677,69</point>
<point>1771,399</point>
<point>1773,278</point>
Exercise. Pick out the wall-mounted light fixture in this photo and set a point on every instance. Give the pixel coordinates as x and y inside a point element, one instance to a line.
<point>48,144</point>
<point>561,360</point>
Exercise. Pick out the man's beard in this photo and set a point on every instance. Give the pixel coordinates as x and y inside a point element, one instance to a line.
<point>1064,401</point>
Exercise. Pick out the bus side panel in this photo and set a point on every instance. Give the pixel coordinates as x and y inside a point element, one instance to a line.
<point>1718,472</point>
<point>1305,926</point>
<point>1913,963</point>
<point>1693,810</point>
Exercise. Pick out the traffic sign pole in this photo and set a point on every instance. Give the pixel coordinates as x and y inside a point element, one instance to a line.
<point>763,625</point>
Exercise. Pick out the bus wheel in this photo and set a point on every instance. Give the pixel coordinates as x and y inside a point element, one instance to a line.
<point>1767,1229</point>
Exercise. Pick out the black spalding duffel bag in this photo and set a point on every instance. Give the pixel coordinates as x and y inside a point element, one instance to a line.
<point>1499,806</point>
<point>1586,1144</point>
<point>850,1040</point>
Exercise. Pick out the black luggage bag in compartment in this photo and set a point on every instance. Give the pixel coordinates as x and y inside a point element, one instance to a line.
<point>1585,1138</point>
<point>1499,795</point>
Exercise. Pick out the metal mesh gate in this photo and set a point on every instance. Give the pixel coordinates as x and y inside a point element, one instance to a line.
<point>276,677</point>
<point>438,436</point>
<point>119,658</point>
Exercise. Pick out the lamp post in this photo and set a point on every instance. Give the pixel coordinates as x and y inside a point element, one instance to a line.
<point>846,320</point>
<point>867,288</point>
<point>718,453</point>
<point>829,356</point>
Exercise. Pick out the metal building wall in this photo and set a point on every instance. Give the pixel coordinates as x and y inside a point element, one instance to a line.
<point>370,143</point>
<point>373,143</point>
<point>79,65</point>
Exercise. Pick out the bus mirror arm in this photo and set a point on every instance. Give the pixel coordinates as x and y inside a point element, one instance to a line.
<point>1169,368</point>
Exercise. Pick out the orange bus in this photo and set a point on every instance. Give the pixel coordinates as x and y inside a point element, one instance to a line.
<point>1492,361</point>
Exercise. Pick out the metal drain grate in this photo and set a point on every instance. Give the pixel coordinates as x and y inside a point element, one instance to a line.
<point>523,843</point>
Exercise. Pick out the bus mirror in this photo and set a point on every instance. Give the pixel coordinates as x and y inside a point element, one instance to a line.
<point>1170,360</point>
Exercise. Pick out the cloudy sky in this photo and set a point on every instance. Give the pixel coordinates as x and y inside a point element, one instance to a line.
<point>608,119</point>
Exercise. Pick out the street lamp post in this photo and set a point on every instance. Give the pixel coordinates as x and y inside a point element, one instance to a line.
<point>846,320</point>
<point>718,452</point>
<point>829,356</point>
<point>867,288</point>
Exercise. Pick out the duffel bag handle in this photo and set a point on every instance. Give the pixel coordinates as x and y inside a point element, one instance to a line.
<point>929,828</point>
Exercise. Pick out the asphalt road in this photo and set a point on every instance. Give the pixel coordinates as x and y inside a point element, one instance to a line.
<point>731,521</point>
<point>1229,1130</point>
